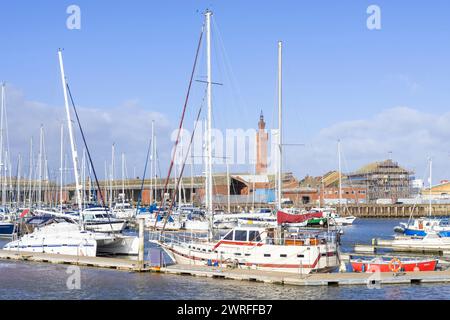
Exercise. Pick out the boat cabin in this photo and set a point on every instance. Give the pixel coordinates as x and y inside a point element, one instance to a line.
<point>246,234</point>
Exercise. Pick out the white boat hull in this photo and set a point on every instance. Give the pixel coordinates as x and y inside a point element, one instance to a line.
<point>292,259</point>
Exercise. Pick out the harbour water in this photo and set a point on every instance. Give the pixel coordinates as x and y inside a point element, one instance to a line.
<point>23,280</point>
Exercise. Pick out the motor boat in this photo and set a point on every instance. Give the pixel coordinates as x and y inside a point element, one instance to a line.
<point>422,226</point>
<point>390,264</point>
<point>123,210</point>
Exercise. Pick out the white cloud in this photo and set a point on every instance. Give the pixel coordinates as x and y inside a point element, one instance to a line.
<point>411,135</point>
<point>127,125</point>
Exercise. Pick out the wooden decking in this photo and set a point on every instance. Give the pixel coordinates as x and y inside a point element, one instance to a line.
<point>98,262</point>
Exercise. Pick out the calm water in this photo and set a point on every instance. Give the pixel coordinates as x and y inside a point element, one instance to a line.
<point>43,281</point>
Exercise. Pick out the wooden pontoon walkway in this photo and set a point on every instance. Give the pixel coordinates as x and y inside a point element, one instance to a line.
<point>328,279</point>
<point>98,262</point>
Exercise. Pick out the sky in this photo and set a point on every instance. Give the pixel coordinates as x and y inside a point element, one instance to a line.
<point>383,93</point>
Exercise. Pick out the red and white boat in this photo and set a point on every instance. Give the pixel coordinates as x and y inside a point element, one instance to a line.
<point>393,265</point>
<point>257,248</point>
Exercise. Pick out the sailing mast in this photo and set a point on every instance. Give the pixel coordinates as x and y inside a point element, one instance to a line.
<point>2,160</point>
<point>280,122</point>
<point>30,176</point>
<point>123,180</point>
<point>209,206</point>
<point>340,175</point>
<point>72,140</point>
<point>431,185</point>
<point>61,169</point>
<point>40,168</point>
<point>152,147</point>
<point>111,177</point>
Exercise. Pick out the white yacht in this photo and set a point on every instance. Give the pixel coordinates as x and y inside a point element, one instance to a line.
<point>57,235</point>
<point>258,248</point>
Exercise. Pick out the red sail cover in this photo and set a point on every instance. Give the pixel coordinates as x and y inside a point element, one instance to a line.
<point>283,217</point>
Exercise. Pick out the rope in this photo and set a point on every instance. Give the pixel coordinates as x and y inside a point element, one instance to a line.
<point>89,156</point>
<point>181,124</point>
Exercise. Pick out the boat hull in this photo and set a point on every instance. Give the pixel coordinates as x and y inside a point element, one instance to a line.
<point>413,266</point>
<point>6,229</point>
<point>290,259</point>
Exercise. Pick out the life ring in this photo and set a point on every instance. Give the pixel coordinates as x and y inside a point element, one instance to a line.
<point>395,265</point>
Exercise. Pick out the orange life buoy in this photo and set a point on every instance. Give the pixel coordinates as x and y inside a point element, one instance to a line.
<point>395,265</point>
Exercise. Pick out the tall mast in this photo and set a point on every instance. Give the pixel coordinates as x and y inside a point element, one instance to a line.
<point>61,169</point>
<point>30,174</point>
<point>112,176</point>
<point>154,170</point>
<point>209,124</point>
<point>123,180</point>
<point>72,139</point>
<point>152,159</point>
<point>40,168</point>
<point>431,185</point>
<point>2,160</point>
<point>280,123</point>
<point>340,174</point>
<point>19,164</point>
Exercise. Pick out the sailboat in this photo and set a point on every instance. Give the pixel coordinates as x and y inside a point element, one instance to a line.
<point>272,249</point>
<point>60,235</point>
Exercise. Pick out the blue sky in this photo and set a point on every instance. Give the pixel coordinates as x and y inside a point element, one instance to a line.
<point>338,74</point>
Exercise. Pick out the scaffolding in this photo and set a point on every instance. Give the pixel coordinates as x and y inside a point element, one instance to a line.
<point>384,180</point>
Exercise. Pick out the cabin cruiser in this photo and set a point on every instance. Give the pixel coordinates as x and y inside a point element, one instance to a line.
<point>431,242</point>
<point>158,221</point>
<point>422,226</point>
<point>196,221</point>
<point>334,219</point>
<point>123,210</point>
<point>60,235</point>
<point>258,248</point>
<point>7,225</point>
<point>99,219</point>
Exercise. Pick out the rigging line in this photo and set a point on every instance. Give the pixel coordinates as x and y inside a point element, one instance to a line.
<point>89,155</point>
<point>182,170</point>
<point>143,178</point>
<point>185,160</point>
<point>181,122</point>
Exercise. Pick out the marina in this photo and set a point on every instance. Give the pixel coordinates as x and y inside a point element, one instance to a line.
<point>144,174</point>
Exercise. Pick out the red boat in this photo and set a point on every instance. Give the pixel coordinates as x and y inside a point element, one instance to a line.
<point>393,265</point>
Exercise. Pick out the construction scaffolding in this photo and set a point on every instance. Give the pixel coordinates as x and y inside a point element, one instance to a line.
<point>383,180</point>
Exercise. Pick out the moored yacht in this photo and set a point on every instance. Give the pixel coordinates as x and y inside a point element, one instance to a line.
<point>258,248</point>
<point>58,235</point>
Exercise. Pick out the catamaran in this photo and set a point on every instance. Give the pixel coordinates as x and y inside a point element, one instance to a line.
<point>60,235</point>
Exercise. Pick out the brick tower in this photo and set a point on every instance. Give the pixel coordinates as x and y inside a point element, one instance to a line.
<point>262,138</point>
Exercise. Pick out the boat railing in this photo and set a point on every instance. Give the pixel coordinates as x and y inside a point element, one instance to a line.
<point>176,238</point>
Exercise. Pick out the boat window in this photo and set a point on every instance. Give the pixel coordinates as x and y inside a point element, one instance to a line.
<point>283,255</point>
<point>254,236</point>
<point>240,235</point>
<point>300,256</point>
<point>267,255</point>
<point>229,236</point>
